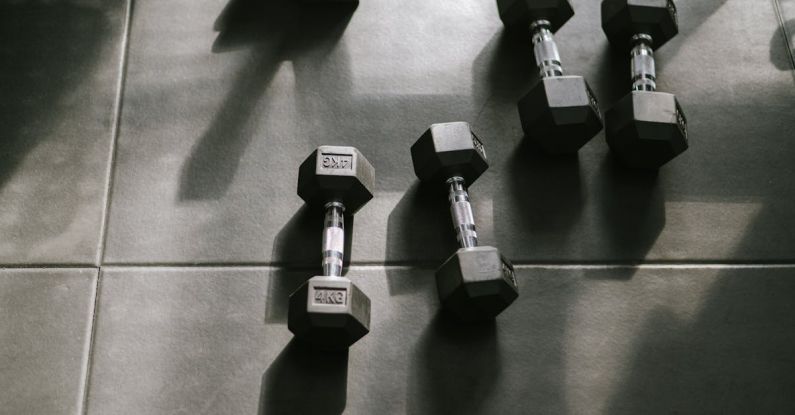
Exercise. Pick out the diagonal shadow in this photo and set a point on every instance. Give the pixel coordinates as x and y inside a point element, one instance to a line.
<point>430,243</point>
<point>633,210</point>
<point>548,190</point>
<point>444,377</point>
<point>37,39</point>
<point>302,380</point>
<point>274,31</point>
<point>733,357</point>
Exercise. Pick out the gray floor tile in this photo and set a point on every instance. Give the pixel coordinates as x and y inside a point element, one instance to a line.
<point>45,326</point>
<point>60,76</point>
<point>225,99</point>
<point>581,341</point>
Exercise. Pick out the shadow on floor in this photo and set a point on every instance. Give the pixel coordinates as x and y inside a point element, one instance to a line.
<point>734,357</point>
<point>784,58</point>
<point>47,50</point>
<point>455,368</point>
<point>302,380</point>
<point>633,206</point>
<point>510,68</point>
<point>419,229</point>
<point>274,31</point>
<point>547,189</point>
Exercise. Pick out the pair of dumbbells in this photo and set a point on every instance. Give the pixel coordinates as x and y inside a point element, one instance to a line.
<point>475,283</point>
<point>646,128</point>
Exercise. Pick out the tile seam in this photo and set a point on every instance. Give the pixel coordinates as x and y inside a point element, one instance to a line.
<point>120,88</point>
<point>401,264</point>
<point>85,386</point>
<point>592,266</point>
<point>34,266</point>
<point>85,375</point>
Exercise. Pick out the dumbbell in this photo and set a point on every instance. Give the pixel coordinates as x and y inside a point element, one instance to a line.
<point>330,311</point>
<point>476,282</point>
<point>560,112</point>
<point>646,128</point>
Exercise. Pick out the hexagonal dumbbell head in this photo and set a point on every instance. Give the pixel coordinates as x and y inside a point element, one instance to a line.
<point>329,312</point>
<point>447,150</point>
<point>518,14</point>
<point>622,19</point>
<point>560,114</point>
<point>646,129</point>
<point>336,173</point>
<point>476,284</point>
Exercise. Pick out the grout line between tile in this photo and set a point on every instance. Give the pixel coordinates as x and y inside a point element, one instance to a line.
<point>48,266</point>
<point>103,234</point>
<point>86,375</point>
<point>405,265</point>
<point>645,265</point>
<point>787,36</point>
<point>89,348</point>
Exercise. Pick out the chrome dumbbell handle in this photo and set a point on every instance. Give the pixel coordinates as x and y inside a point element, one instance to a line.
<point>461,211</point>
<point>333,239</point>
<point>545,50</point>
<point>644,77</point>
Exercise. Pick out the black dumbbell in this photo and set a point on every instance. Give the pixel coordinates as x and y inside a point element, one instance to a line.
<point>330,311</point>
<point>560,112</point>
<point>646,128</point>
<point>476,282</point>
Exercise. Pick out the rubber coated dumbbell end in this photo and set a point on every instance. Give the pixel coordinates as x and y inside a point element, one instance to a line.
<point>517,15</point>
<point>560,114</point>
<point>330,313</point>
<point>446,150</point>
<point>622,19</point>
<point>476,284</point>
<point>646,129</point>
<point>336,173</point>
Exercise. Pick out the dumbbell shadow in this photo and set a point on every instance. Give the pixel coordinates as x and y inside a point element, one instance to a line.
<point>303,380</point>
<point>419,230</point>
<point>612,75</point>
<point>509,68</point>
<point>297,25</point>
<point>297,257</point>
<point>633,209</point>
<point>547,190</point>
<point>455,367</point>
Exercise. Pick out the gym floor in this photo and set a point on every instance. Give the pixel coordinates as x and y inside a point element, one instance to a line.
<point>151,232</point>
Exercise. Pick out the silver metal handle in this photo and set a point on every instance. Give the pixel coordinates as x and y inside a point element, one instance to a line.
<point>644,77</point>
<point>545,49</point>
<point>461,211</point>
<point>333,239</point>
